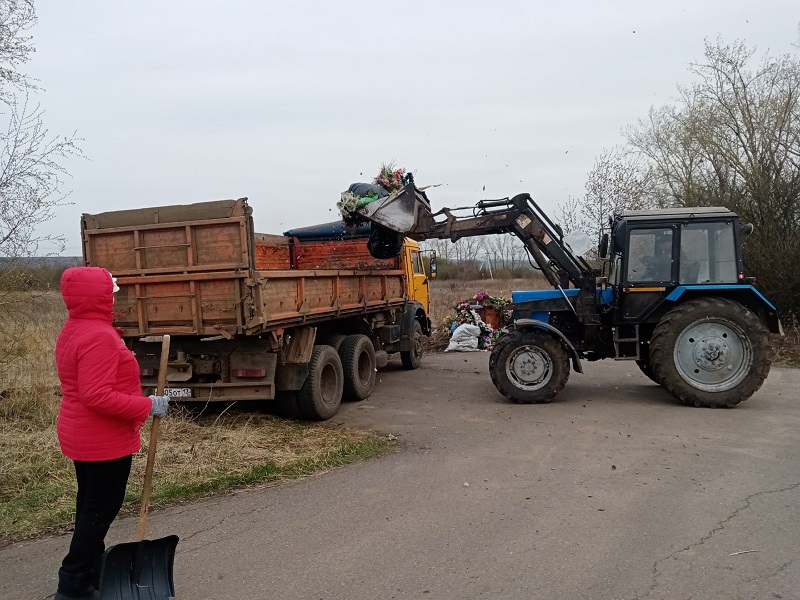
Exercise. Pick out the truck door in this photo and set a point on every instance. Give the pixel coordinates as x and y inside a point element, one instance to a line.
<point>415,273</point>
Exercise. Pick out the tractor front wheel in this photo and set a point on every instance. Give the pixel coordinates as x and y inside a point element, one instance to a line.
<point>529,366</point>
<point>710,352</point>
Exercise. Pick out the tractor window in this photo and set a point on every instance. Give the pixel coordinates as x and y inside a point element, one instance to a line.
<point>708,253</point>
<point>650,255</point>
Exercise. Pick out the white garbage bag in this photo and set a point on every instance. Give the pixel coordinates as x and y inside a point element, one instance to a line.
<point>464,339</point>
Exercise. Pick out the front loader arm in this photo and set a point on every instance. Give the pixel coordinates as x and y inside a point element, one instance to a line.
<point>408,211</point>
<point>519,216</point>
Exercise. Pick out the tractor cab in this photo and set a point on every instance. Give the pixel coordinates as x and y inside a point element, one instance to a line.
<point>687,246</point>
<point>655,252</point>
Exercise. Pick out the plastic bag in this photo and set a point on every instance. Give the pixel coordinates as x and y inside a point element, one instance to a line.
<point>464,339</point>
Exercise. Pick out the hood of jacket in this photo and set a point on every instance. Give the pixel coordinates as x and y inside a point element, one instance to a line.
<point>88,293</point>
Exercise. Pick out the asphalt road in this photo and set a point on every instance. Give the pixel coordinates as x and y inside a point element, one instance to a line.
<point>612,491</point>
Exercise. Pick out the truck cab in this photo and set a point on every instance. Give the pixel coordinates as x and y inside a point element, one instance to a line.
<point>417,281</point>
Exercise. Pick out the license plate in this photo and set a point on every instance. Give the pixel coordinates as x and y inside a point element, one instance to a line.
<point>178,392</point>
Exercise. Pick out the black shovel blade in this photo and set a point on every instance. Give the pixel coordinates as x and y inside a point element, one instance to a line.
<point>139,570</point>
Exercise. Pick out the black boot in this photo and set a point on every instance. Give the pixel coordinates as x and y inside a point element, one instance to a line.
<point>73,586</point>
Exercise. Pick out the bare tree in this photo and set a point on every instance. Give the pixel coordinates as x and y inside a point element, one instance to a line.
<point>31,158</point>
<point>618,181</point>
<point>16,17</point>
<point>31,170</point>
<point>731,138</point>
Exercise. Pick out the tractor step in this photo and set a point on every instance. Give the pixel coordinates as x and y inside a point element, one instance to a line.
<point>626,342</point>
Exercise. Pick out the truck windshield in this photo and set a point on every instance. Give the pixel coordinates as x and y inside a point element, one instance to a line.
<point>707,253</point>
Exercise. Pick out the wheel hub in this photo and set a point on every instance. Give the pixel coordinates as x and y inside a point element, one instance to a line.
<point>713,355</point>
<point>528,367</point>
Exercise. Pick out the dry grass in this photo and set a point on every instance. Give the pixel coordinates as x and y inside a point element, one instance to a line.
<point>197,454</point>
<point>787,348</point>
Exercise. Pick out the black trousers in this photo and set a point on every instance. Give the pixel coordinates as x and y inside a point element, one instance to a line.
<point>101,490</point>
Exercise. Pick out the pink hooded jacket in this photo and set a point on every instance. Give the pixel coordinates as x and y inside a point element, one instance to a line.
<point>102,406</point>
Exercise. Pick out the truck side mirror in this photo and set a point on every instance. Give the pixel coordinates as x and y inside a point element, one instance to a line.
<point>433,265</point>
<point>747,228</point>
<point>602,250</point>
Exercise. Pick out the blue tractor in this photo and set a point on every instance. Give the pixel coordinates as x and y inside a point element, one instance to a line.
<point>671,295</point>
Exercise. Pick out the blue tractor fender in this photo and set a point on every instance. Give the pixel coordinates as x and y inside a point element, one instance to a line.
<point>744,294</point>
<point>535,324</point>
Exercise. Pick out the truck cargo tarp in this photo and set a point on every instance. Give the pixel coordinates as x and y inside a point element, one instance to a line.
<point>330,231</point>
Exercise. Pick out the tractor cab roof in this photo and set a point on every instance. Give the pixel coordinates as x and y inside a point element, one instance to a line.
<point>677,214</point>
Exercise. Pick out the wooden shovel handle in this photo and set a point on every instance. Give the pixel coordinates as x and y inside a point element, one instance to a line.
<point>155,427</point>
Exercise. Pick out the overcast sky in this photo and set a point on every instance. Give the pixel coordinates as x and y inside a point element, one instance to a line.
<point>288,103</point>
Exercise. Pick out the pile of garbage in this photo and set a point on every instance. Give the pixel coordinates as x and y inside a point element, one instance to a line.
<point>478,323</point>
<point>388,180</point>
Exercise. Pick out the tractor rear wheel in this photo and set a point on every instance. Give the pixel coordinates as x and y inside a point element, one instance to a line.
<point>529,366</point>
<point>710,352</point>
<point>646,368</point>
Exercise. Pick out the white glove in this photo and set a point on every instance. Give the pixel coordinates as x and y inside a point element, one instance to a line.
<point>159,406</point>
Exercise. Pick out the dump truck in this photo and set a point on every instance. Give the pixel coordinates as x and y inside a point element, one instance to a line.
<point>672,295</point>
<point>309,315</point>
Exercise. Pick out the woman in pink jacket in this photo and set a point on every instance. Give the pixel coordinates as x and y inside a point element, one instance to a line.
<point>102,410</point>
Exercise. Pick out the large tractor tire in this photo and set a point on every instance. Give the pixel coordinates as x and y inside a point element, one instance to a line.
<point>412,359</point>
<point>646,368</point>
<point>710,352</point>
<point>358,362</point>
<point>529,366</point>
<point>321,394</point>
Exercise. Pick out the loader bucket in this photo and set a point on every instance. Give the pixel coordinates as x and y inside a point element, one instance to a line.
<point>406,211</point>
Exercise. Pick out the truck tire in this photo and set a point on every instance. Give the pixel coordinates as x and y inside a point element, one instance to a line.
<point>710,352</point>
<point>529,366</point>
<point>336,341</point>
<point>321,394</point>
<point>358,362</point>
<point>411,359</point>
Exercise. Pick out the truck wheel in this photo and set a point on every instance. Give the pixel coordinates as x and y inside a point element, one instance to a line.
<point>710,352</point>
<point>336,341</point>
<point>529,366</point>
<point>321,394</point>
<point>358,362</point>
<point>646,368</point>
<point>412,358</point>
